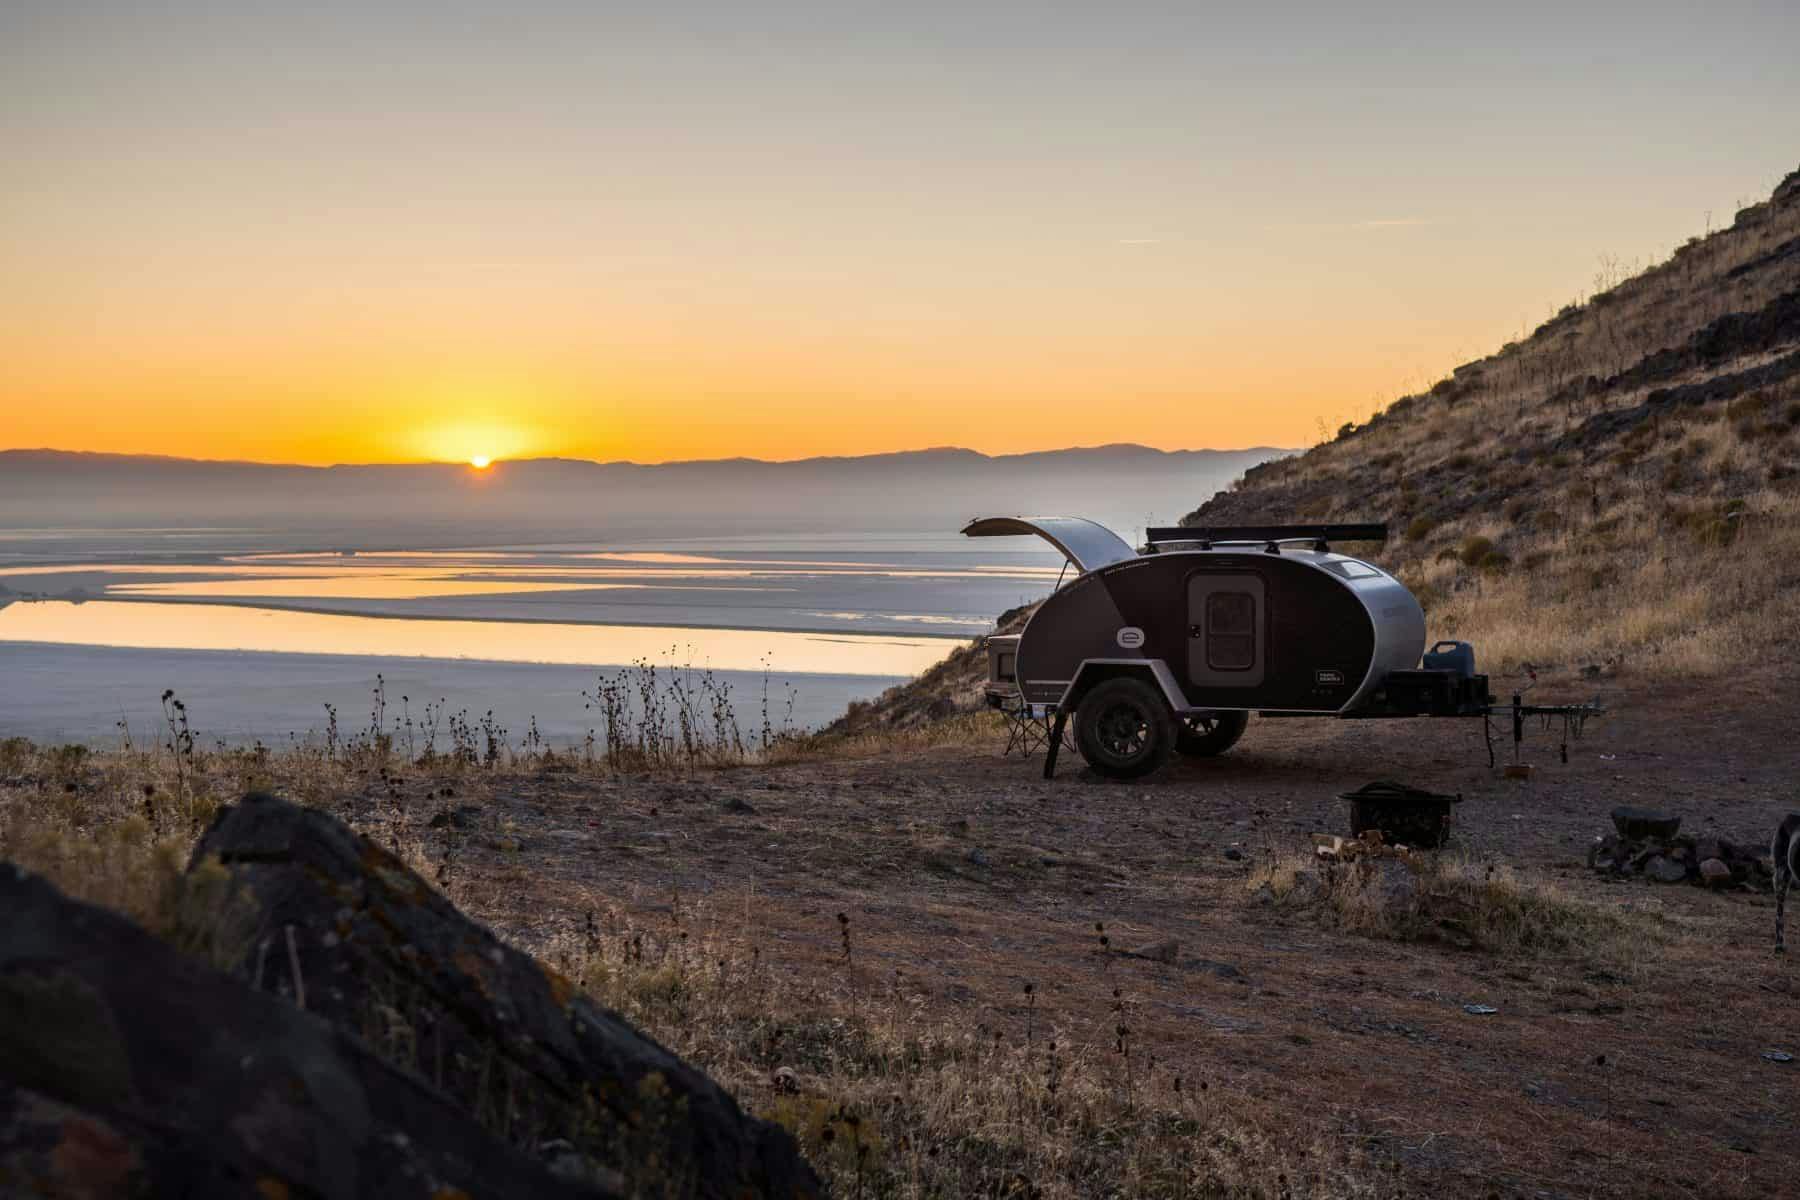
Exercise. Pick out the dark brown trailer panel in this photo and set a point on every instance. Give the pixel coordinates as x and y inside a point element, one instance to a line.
<point>1294,631</point>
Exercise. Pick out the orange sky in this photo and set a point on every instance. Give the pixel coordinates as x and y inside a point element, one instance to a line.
<point>442,232</point>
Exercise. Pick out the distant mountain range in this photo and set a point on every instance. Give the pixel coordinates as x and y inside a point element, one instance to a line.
<point>1126,486</point>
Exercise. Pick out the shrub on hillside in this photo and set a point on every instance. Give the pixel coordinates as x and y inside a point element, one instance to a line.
<point>1420,527</point>
<point>1709,524</point>
<point>1598,579</point>
<point>1475,550</point>
<point>1747,409</point>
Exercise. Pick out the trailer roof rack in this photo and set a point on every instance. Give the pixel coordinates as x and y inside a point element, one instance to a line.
<point>1320,535</point>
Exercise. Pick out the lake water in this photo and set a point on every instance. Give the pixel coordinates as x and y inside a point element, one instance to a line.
<point>257,636</point>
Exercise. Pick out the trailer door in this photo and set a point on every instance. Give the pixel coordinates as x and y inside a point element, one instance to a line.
<point>1227,629</point>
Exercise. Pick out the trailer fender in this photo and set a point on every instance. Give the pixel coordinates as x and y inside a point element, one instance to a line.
<point>1096,670</point>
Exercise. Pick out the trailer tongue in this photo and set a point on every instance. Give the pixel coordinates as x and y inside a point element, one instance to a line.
<point>1169,649</point>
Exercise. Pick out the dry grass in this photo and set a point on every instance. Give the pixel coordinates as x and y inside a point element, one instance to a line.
<point>1475,905</point>
<point>1640,587</point>
<point>887,1101</point>
<point>978,728</point>
<point>117,830</point>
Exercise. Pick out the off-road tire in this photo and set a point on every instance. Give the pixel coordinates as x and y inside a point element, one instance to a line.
<point>1214,733</point>
<point>1124,728</point>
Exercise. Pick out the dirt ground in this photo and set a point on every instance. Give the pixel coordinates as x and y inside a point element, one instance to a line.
<point>971,876</point>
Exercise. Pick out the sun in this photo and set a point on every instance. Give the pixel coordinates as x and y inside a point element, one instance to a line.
<point>481,462</point>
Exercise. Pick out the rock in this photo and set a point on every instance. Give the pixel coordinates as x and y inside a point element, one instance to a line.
<point>979,857</point>
<point>1233,854</point>
<point>737,804</point>
<point>1643,823</point>
<point>379,949</point>
<point>1714,873</point>
<point>128,1068</point>
<point>1166,951</point>
<point>1664,870</point>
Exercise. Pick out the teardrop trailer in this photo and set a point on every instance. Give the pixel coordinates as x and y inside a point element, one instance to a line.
<point>1169,650</point>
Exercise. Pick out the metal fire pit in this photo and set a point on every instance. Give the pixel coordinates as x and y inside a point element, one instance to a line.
<point>1404,815</point>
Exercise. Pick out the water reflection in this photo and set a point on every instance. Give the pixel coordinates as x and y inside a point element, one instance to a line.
<point>551,570</point>
<point>370,585</point>
<point>150,625</point>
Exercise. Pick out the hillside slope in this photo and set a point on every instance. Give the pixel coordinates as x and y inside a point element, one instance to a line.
<point>1619,490</point>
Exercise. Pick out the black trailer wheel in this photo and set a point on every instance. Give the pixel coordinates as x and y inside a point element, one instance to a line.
<point>1210,734</point>
<point>1124,728</point>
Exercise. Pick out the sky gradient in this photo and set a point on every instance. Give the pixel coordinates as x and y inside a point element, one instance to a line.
<point>324,233</point>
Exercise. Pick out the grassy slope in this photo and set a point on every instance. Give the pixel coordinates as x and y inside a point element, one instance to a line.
<point>1621,489</point>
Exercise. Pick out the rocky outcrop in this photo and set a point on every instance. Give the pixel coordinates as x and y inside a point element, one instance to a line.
<point>128,1069</point>
<point>351,934</point>
<point>372,1042</point>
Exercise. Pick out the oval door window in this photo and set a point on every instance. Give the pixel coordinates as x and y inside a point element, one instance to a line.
<point>1130,637</point>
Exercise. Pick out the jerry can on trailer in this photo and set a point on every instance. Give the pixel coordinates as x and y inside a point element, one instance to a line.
<point>1451,656</point>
